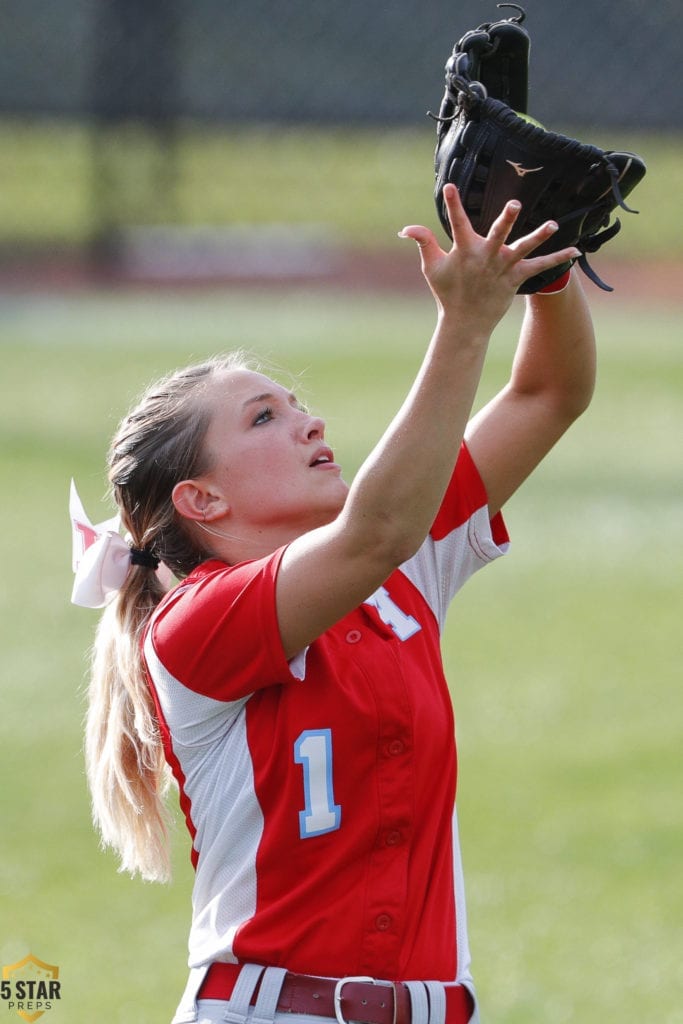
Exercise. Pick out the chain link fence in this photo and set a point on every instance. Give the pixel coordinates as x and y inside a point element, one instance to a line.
<point>245,60</point>
<point>102,101</point>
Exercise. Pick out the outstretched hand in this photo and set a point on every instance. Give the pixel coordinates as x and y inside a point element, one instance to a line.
<point>479,276</point>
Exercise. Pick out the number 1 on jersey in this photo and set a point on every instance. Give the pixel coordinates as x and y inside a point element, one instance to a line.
<point>313,751</point>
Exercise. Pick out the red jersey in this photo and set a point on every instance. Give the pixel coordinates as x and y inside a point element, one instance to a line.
<point>320,792</point>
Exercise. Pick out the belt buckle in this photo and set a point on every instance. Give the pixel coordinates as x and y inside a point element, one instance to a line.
<point>338,994</point>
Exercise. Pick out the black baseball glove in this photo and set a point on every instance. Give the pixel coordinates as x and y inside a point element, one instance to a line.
<point>497,55</point>
<point>492,154</point>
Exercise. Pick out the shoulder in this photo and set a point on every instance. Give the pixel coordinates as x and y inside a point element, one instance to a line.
<point>217,631</point>
<point>213,583</point>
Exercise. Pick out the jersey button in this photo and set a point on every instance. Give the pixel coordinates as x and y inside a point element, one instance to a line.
<point>353,636</point>
<point>396,747</point>
<point>393,838</point>
<point>383,922</point>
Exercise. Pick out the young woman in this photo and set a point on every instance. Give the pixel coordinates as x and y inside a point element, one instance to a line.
<point>292,679</point>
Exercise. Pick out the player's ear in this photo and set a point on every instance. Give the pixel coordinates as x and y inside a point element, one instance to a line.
<point>194,500</point>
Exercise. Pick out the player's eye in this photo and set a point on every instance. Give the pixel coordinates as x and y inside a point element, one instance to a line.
<point>264,416</point>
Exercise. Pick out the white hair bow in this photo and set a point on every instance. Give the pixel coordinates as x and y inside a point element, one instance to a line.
<point>100,556</point>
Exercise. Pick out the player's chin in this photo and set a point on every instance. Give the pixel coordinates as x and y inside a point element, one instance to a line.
<point>330,475</point>
<point>334,499</point>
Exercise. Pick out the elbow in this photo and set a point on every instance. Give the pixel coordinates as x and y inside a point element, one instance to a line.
<point>566,410</point>
<point>385,541</point>
<point>400,548</point>
<point>396,539</point>
<point>574,401</point>
<point>570,395</point>
<point>571,408</point>
<point>551,412</point>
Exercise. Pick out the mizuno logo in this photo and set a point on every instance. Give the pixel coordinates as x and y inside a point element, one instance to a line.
<point>522,171</point>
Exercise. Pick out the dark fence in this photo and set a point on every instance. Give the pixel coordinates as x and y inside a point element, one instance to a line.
<point>97,97</point>
<point>593,61</point>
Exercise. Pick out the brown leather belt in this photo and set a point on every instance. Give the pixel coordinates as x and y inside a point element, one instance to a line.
<point>362,1001</point>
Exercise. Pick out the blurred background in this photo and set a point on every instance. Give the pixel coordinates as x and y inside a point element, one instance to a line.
<point>145,139</point>
<point>181,178</point>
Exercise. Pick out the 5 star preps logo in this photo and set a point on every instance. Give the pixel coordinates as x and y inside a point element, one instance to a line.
<point>30,987</point>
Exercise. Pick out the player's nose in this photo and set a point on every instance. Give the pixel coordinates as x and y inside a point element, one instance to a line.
<point>312,427</point>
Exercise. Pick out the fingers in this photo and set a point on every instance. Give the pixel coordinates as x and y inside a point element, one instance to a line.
<point>537,264</point>
<point>521,249</point>
<point>459,221</point>
<point>504,223</point>
<point>426,240</point>
<point>473,254</point>
<point>461,228</point>
<point>525,245</point>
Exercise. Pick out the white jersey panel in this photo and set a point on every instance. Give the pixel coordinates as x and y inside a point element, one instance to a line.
<point>463,973</point>
<point>441,567</point>
<point>224,894</point>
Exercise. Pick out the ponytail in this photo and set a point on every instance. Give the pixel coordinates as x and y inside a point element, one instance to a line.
<point>123,752</point>
<point>158,444</point>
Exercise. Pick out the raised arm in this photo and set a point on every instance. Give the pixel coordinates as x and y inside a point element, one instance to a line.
<point>551,384</point>
<point>327,572</point>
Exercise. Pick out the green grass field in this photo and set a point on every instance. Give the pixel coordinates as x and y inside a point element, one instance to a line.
<point>564,658</point>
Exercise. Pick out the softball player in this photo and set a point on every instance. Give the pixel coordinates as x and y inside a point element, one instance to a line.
<point>292,679</point>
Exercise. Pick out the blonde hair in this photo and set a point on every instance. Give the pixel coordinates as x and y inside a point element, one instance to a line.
<point>156,445</point>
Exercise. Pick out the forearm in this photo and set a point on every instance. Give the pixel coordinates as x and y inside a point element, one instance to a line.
<point>551,384</point>
<point>400,485</point>
<point>556,358</point>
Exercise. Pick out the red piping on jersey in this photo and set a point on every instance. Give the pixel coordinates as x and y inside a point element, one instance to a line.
<point>178,774</point>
